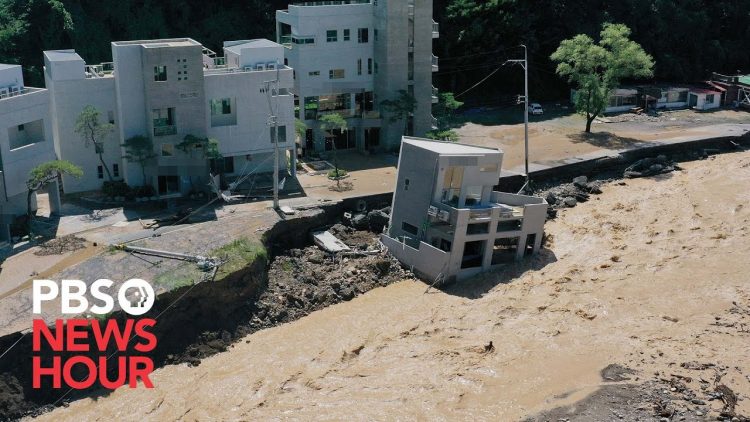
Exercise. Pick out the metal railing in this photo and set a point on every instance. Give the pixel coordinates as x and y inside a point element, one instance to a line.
<point>165,130</point>
<point>434,63</point>
<point>435,29</point>
<point>329,2</point>
<point>18,92</point>
<point>434,95</point>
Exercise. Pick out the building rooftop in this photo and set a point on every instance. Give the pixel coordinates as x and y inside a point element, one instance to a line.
<point>4,66</point>
<point>162,43</point>
<point>449,148</point>
<point>745,79</point>
<point>62,55</point>
<point>237,46</point>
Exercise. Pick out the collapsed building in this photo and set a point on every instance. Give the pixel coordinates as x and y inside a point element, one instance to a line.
<point>447,222</point>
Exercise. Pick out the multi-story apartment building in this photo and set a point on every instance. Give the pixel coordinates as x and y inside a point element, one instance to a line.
<point>168,90</point>
<point>351,55</point>
<point>446,220</point>
<point>25,142</point>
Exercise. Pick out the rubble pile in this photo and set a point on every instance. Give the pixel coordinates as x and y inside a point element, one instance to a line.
<point>650,167</point>
<point>304,280</point>
<point>61,245</point>
<point>568,195</point>
<point>375,220</point>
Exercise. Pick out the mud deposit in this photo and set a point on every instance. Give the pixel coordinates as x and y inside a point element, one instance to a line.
<point>210,317</point>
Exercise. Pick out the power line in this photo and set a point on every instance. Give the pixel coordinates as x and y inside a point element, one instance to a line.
<point>479,83</point>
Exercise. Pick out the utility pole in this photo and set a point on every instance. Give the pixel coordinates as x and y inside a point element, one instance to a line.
<point>525,64</point>
<point>273,122</point>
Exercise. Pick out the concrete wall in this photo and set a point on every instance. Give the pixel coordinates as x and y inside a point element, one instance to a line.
<point>68,98</point>
<point>11,76</point>
<point>426,260</point>
<point>16,163</point>
<point>410,203</point>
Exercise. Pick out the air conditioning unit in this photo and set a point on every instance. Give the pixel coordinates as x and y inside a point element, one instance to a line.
<point>248,68</point>
<point>271,66</point>
<point>260,66</point>
<point>4,92</point>
<point>432,211</point>
<point>444,216</point>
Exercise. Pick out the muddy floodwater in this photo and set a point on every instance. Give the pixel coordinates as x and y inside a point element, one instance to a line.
<point>651,275</point>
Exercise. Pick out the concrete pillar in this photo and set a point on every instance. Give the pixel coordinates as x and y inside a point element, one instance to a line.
<point>538,242</point>
<point>5,232</point>
<point>521,247</point>
<point>53,192</point>
<point>488,249</point>
<point>293,170</point>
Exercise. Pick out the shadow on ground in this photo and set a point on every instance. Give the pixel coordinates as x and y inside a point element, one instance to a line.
<point>608,140</point>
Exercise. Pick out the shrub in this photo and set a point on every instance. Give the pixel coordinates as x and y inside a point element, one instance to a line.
<point>334,175</point>
<point>115,188</point>
<point>145,191</point>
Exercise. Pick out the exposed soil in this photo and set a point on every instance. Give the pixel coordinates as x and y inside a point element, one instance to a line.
<point>60,245</point>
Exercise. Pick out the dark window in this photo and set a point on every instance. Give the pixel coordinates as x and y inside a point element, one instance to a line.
<point>115,170</point>
<point>406,184</point>
<point>478,228</point>
<point>282,134</point>
<point>168,184</point>
<point>332,35</point>
<point>409,228</point>
<point>369,66</point>
<point>21,128</point>
<point>346,35</point>
<point>359,66</point>
<point>508,225</point>
<point>160,73</point>
<point>363,35</point>
<point>100,172</point>
<point>229,164</point>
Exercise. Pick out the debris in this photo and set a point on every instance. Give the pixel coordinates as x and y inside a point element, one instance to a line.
<point>650,167</point>
<point>489,347</point>
<point>329,243</point>
<point>61,245</point>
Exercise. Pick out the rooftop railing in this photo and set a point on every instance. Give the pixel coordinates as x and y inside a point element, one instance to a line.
<point>329,2</point>
<point>18,92</point>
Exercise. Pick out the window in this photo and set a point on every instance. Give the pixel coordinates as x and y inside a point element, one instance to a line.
<point>282,134</point>
<point>311,108</point>
<point>363,35</point>
<point>406,184</point>
<point>336,74</point>
<point>221,106</point>
<point>332,35</point>
<point>168,184</point>
<point>115,170</point>
<point>376,68</point>
<point>100,172</point>
<point>21,128</point>
<point>409,228</point>
<point>452,181</point>
<point>229,165</point>
<point>163,119</point>
<point>369,66</point>
<point>111,116</point>
<point>167,150</point>
<point>375,33</point>
<point>160,73</point>
<point>346,35</point>
<point>25,134</point>
<point>296,40</point>
<point>315,73</point>
<point>710,99</point>
<point>359,66</point>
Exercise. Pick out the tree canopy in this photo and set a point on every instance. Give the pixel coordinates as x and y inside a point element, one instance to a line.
<point>596,69</point>
<point>92,131</point>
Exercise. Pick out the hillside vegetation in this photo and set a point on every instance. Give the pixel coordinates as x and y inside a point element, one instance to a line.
<point>687,38</point>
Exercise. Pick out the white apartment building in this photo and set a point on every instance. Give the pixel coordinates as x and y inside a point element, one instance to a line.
<point>349,56</point>
<point>166,90</point>
<point>447,222</point>
<point>25,142</point>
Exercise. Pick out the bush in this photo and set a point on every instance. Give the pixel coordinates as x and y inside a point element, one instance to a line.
<point>333,175</point>
<point>145,191</point>
<point>115,188</point>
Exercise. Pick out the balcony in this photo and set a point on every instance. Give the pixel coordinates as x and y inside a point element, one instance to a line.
<point>434,95</point>
<point>10,93</point>
<point>434,63</point>
<point>165,130</point>
<point>435,30</point>
<point>102,70</point>
<point>286,40</point>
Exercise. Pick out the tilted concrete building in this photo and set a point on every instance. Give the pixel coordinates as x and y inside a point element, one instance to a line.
<point>168,89</point>
<point>446,220</point>
<point>25,142</point>
<point>349,56</point>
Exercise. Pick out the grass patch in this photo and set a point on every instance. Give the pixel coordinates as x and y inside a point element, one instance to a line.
<point>184,275</point>
<point>238,255</point>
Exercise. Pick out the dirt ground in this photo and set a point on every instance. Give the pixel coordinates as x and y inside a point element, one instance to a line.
<point>651,276</point>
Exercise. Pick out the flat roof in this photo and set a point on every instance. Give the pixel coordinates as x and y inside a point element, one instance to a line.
<point>168,42</point>
<point>62,55</point>
<point>4,66</point>
<point>744,79</point>
<point>449,148</point>
<point>237,46</point>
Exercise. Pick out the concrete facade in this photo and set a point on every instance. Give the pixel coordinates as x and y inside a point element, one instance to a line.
<point>349,56</point>
<point>25,142</point>
<point>447,221</point>
<point>166,90</point>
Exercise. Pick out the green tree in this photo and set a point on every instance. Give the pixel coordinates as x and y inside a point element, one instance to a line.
<point>445,110</point>
<point>330,123</point>
<point>42,175</point>
<point>300,128</point>
<point>93,132</point>
<point>596,69</point>
<point>400,108</point>
<point>139,149</point>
